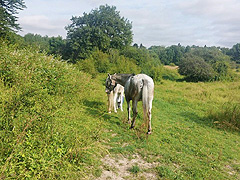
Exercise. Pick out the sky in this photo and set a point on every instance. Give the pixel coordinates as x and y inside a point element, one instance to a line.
<point>154,22</point>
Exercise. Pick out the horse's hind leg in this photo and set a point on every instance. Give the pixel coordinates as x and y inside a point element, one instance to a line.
<point>121,101</point>
<point>134,107</point>
<point>149,115</point>
<point>128,109</point>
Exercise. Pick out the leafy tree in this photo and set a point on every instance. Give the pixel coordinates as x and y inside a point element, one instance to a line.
<point>172,54</point>
<point>8,18</point>
<point>177,53</point>
<point>161,52</point>
<point>37,41</point>
<point>103,28</point>
<point>235,52</point>
<point>146,60</point>
<point>57,45</point>
<point>196,69</point>
<point>222,70</point>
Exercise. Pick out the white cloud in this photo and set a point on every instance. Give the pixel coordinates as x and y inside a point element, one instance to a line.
<point>43,25</point>
<point>155,22</point>
<point>222,18</point>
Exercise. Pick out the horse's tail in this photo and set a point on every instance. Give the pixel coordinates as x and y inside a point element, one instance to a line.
<point>147,97</point>
<point>145,100</point>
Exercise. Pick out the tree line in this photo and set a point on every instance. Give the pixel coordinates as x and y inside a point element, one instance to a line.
<point>100,41</point>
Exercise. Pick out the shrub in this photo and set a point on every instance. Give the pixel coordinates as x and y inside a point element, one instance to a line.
<point>171,74</point>
<point>44,132</point>
<point>196,69</point>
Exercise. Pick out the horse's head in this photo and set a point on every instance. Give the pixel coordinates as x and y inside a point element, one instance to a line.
<point>110,84</point>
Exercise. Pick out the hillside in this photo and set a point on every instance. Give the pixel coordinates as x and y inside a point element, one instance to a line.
<point>47,124</point>
<point>54,125</point>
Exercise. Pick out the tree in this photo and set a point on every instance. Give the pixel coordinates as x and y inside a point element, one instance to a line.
<point>235,53</point>
<point>8,19</point>
<point>195,69</point>
<point>102,28</point>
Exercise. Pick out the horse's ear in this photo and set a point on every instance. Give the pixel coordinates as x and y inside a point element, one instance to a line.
<point>133,74</point>
<point>109,75</point>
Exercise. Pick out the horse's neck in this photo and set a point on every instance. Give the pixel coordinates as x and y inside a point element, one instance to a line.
<point>121,78</point>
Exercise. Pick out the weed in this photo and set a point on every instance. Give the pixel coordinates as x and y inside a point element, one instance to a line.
<point>135,169</point>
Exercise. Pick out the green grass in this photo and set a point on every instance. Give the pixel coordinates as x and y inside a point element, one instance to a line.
<point>54,124</point>
<point>185,140</point>
<point>50,126</point>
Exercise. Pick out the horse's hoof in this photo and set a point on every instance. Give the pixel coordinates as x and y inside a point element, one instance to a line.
<point>109,112</point>
<point>149,132</point>
<point>132,127</point>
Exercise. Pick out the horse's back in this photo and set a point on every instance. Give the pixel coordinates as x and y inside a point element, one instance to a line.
<point>144,80</point>
<point>133,87</point>
<point>118,89</point>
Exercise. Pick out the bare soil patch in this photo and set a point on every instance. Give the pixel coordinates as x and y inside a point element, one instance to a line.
<point>119,167</point>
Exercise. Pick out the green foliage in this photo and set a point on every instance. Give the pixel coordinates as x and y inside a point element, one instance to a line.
<point>112,62</point>
<point>171,74</point>
<point>149,64</point>
<point>196,69</point>
<point>52,45</point>
<point>37,41</point>
<point>8,18</point>
<point>214,65</point>
<point>102,28</point>
<point>172,54</point>
<point>45,130</point>
<point>235,52</point>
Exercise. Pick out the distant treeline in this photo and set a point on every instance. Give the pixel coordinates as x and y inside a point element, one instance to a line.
<point>166,55</point>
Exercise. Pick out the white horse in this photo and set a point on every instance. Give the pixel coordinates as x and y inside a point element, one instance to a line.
<point>136,88</point>
<point>115,97</point>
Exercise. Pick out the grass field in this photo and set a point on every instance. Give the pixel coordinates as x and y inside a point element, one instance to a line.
<point>54,125</point>
<point>186,142</point>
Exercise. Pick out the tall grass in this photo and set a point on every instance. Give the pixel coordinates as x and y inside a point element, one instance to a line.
<point>46,130</point>
<point>227,115</point>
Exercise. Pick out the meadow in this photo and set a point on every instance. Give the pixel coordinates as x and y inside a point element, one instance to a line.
<point>55,125</point>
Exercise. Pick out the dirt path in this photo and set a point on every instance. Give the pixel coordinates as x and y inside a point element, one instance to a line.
<point>118,167</point>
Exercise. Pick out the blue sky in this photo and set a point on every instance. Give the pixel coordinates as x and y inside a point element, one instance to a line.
<point>155,22</point>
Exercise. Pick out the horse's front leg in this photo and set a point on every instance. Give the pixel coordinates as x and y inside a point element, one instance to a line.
<point>128,109</point>
<point>121,104</point>
<point>115,103</point>
<point>110,96</point>
<point>134,107</point>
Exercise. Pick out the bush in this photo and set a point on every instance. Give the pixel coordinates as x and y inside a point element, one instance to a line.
<point>196,69</point>
<point>171,74</point>
<point>112,62</point>
<point>222,69</point>
<point>44,132</point>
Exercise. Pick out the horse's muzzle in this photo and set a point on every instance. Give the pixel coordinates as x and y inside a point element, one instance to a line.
<point>107,91</point>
